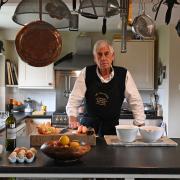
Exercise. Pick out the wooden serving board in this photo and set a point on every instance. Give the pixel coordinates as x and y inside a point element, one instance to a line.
<point>164,141</point>
<point>38,139</point>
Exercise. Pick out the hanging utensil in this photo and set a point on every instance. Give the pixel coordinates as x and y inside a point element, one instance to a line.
<point>124,5</point>
<point>130,13</point>
<point>143,25</point>
<point>38,43</point>
<point>74,19</point>
<point>2,3</point>
<point>178,28</point>
<point>55,12</point>
<point>170,4</point>
<point>87,14</point>
<point>104,26</point>
<point>98,8</point>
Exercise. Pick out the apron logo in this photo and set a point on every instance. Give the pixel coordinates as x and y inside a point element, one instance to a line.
<point>101,99</point>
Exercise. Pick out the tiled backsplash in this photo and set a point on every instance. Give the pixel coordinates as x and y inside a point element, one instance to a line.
<point>47,97</point>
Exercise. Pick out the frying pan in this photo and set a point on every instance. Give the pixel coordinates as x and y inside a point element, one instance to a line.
<point>38,43</point>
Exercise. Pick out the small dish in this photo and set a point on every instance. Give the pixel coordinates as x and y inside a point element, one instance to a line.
<point>126,133</point>
<point>151,133</point>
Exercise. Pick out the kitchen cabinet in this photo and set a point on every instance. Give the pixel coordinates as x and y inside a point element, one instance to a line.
<point>139,60</point>
<point>35,77</point>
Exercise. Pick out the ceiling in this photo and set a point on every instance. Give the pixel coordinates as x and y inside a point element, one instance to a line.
<point>113,23</point>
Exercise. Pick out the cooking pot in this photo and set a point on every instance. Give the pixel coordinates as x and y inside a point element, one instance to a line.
<point>148,107</point>
<point>38,43</point>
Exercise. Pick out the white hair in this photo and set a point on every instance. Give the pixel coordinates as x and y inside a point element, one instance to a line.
<point>100,43</point>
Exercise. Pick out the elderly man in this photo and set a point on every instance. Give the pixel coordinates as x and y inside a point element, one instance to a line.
<point>104,87</point>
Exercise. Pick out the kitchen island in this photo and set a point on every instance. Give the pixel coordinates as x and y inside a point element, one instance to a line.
<point>101,162</point>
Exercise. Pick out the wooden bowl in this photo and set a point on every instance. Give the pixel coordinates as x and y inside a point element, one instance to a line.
<point>55,150</point>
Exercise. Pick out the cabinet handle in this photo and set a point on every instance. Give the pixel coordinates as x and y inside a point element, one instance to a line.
<point>50,84</point>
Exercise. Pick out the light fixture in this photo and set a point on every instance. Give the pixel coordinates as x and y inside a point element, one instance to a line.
<point>54,12</point>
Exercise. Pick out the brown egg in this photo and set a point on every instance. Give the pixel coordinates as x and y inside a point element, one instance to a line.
<point>29,154</point>
<point>33,150</point>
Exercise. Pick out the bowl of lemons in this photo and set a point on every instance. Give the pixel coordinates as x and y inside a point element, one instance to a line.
<point>64,149</point>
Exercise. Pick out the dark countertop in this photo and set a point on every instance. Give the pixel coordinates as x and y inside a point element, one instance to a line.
<point>102,159</point>
<point>20,116</point>
<point>148,116</point>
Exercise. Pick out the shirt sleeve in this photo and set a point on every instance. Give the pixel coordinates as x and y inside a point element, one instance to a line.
<point>134,100</point>
<point>77,95</point>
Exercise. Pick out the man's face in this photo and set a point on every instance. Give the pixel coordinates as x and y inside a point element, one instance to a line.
<point>104,57</point>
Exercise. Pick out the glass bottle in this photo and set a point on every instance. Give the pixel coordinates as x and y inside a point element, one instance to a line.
<point>10,130</point>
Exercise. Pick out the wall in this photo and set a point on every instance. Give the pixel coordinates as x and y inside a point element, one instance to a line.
<point>169,91</point>
<point>47,97</point>
<point>174,84</point>
<point>163,56</point>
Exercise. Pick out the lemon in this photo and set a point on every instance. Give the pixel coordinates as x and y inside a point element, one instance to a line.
<point>64,140</point>
<point>74,144</point>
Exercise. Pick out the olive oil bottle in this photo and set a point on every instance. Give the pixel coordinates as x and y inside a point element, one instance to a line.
<point>10,130</point>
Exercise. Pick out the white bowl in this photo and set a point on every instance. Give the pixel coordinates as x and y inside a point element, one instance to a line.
<point>126,133</point>
<point>151,133</point>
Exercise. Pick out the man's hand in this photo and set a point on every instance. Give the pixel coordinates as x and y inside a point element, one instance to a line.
<point>73,122</point>
<point>139,125</point>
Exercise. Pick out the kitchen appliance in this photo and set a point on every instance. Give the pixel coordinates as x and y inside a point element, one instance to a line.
<point>59,120</point>
<point>29,105</point>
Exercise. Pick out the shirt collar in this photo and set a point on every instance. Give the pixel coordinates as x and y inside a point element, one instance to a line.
<point>105,80</point>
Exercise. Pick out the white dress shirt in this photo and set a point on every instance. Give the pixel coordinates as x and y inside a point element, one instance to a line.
<point>131,94</point>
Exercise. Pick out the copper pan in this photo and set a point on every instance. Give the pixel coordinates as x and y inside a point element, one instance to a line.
<point>38,43</point>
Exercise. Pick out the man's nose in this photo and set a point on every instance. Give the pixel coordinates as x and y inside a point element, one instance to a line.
<point>103,56</point>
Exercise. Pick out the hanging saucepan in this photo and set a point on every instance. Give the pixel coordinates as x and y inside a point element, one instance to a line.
<point>38,43</point>
<point>143,25</point>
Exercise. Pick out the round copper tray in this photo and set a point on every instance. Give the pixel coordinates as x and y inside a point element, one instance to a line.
<point>38,43</point>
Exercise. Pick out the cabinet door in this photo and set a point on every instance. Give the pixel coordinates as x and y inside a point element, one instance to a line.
<point>35,77</point>
<point>139,60</point>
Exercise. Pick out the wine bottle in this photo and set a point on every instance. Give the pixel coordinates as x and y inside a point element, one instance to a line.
<point>10,130</point>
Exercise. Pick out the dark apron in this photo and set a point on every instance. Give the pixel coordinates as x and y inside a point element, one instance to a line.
<point>104,100</point>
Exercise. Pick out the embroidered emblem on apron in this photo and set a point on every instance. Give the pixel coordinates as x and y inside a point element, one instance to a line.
<point>101,99</point>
